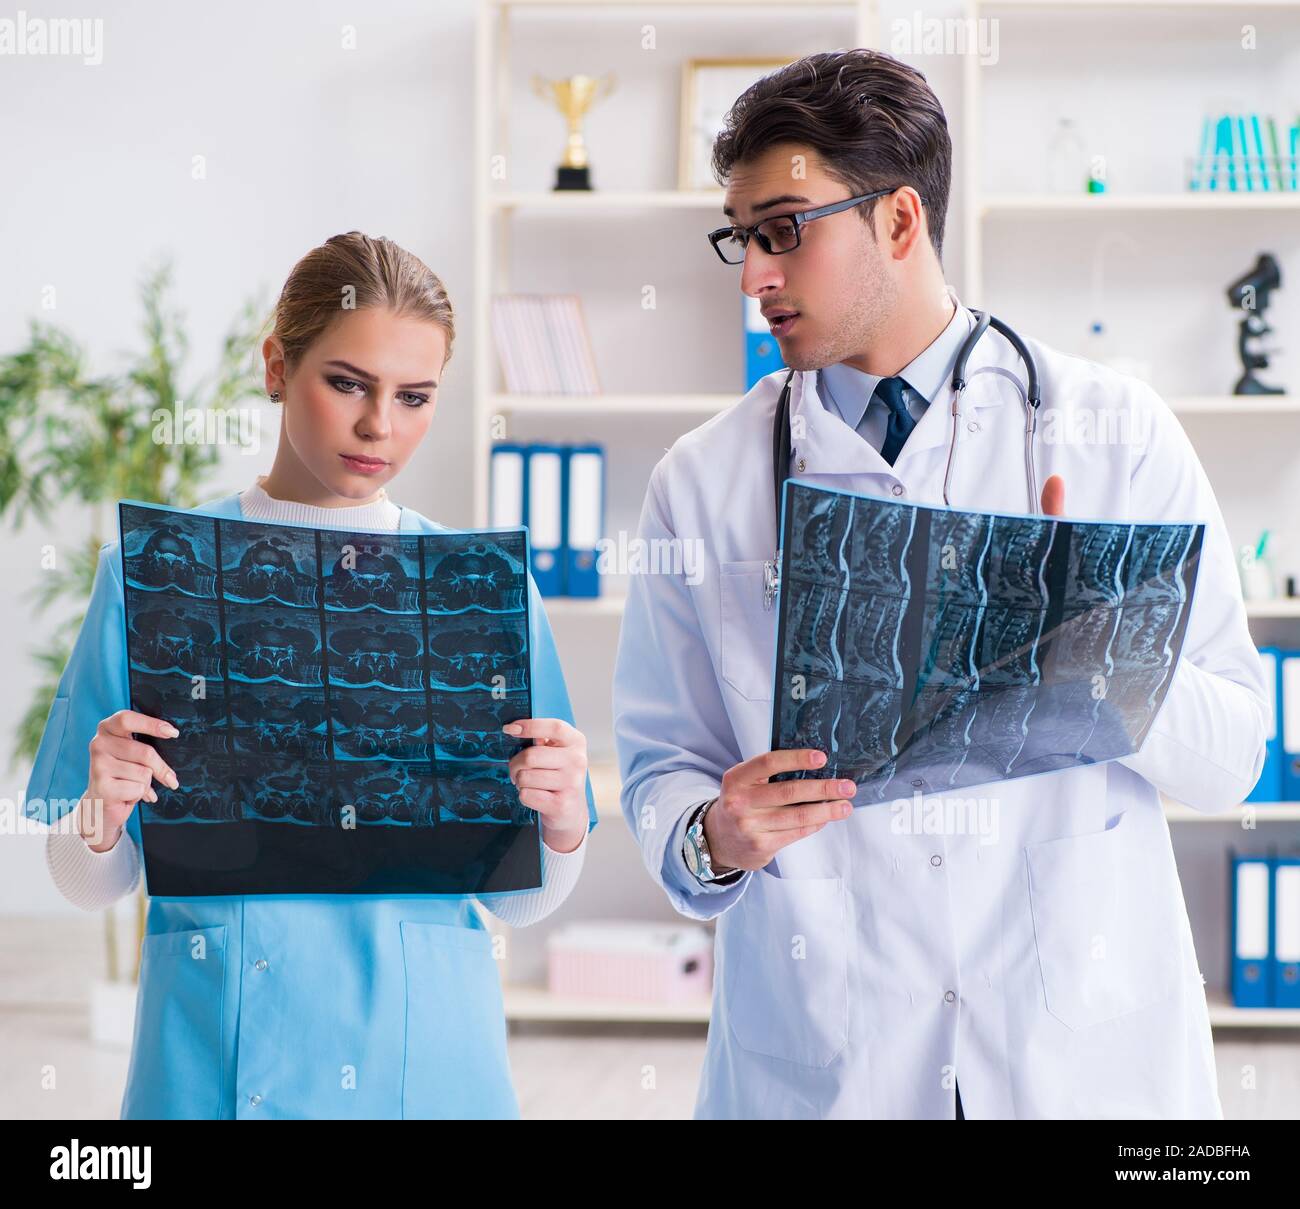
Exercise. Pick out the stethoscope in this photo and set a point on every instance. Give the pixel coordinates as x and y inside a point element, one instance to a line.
<point>1030,395</point>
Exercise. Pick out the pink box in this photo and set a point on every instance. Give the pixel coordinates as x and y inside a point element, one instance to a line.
<point>643,962</point>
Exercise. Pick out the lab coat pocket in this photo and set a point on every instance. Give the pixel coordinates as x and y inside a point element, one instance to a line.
<point>176,1056</point>
<point>786,968</point>
<point>1105,948</point>
<point>748,633</point>
<point>454,1062</point>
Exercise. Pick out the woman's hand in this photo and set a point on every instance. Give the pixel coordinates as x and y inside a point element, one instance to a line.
<point>551,776</point>
<point>122,770</point>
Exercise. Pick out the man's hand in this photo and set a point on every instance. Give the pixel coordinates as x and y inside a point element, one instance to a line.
<point>754,819</point>
<point>1054,496</point>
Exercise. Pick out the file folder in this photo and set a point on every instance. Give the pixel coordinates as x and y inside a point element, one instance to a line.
<point>545,471</point>
<point>584,520</point>
<point>1286,932</point>
<point>1289,674</point>
<point>507,504</point>
<point>1269,786</point>
<point>1251,930</point>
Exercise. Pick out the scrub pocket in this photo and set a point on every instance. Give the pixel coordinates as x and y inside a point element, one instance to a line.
<point>1105,946</point>
<point>748,634</point>
<point>454,1062</point>
<point>786,967</point>
<point>175,1070</point>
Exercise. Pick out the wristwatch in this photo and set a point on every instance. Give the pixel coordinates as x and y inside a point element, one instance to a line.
<point>695,851</point>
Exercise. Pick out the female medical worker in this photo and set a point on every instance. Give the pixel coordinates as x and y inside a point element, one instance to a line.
<point>293,1006</point>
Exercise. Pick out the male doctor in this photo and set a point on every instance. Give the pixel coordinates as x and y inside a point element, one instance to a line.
<point>1041,966</point>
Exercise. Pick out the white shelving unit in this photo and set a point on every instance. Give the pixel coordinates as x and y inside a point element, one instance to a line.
<point>1071,212</point>
<point>981,206</point>
<point>497,205</point>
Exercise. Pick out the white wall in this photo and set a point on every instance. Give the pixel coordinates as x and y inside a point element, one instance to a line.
<point>302,139</point>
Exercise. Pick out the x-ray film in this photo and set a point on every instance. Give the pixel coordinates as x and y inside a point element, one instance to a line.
<point>926,649</point>
<point>340,698</point>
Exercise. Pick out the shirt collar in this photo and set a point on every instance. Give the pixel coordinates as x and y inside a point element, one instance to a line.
<point>847,391</point>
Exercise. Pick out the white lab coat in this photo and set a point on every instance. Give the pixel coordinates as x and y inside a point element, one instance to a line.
<point>870,966</point>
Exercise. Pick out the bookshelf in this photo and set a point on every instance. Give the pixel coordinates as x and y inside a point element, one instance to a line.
<point>501,206</point>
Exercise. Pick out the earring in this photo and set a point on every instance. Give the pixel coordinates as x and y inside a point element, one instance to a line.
<point>275,396</point>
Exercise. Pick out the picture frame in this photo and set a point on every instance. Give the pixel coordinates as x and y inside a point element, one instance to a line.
<point>710,87</point>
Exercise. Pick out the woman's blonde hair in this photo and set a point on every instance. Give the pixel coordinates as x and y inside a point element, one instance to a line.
<point>353,272</point>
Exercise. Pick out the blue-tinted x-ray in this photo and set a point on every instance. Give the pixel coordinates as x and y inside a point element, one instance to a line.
<point>926,649</point>
<point>340,698</point>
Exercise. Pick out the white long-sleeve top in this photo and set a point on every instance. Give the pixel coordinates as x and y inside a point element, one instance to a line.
<point>94,880</point>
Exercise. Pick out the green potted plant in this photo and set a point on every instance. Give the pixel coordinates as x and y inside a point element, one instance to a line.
<point>69,435</point>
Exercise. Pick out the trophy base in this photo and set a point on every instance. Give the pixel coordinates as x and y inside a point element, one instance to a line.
<point>572,178</point>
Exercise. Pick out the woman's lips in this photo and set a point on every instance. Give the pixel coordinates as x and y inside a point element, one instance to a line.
<point>363,465</point>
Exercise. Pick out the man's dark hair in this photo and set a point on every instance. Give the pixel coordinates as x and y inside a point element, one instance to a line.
<point>873,120</point>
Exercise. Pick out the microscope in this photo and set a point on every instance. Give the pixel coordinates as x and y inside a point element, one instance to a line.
<point>1250,294</point>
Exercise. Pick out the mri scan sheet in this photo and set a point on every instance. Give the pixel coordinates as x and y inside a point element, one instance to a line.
<point>340,698</point>
<point>927,649</point>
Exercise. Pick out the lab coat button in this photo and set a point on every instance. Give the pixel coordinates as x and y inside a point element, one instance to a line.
<point>974,426</point>
<point>950,996</point>
<point>254,1100</point>
<point>897,489</point>
<point>260,963</point>
<point>936,860</point>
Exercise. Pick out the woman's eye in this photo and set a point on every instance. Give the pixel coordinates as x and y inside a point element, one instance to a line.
<point>410,398</point>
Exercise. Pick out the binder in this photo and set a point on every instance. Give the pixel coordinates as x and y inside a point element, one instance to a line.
<point>1269,786</point>
<point>584,517</point>
<point>1286,932</point>
<point>1260,154</point>
<point>762,353</point>
<point>1289,675</point>
<point>545,471</point>
<point>1251,931</point>
<point>508,478</point>
<point>1223,154</point>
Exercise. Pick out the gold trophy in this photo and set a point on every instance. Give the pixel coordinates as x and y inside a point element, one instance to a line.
<point>573,97</point>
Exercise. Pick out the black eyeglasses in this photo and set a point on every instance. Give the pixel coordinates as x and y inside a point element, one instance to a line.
<point>782,232</point>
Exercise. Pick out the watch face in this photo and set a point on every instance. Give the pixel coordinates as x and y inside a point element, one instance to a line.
<point>693,862</point>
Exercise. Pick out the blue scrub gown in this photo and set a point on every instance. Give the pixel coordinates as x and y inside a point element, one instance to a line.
<point>294,1006</point>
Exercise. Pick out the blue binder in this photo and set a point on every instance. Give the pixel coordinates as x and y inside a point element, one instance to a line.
<point>762,353</point>
<point>1269,786</point>
<point>1286,932</point>
<point>508,487</point>
<point>584,518</point>
<point>1251,932</point>
<point>545,471</point>
<point>1289,723</point>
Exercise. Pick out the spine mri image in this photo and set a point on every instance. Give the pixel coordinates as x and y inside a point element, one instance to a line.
<point>340,698</point>
<point>927,649</point>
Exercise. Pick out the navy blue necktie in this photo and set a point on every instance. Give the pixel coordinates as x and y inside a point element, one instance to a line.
<point>890,391</point>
